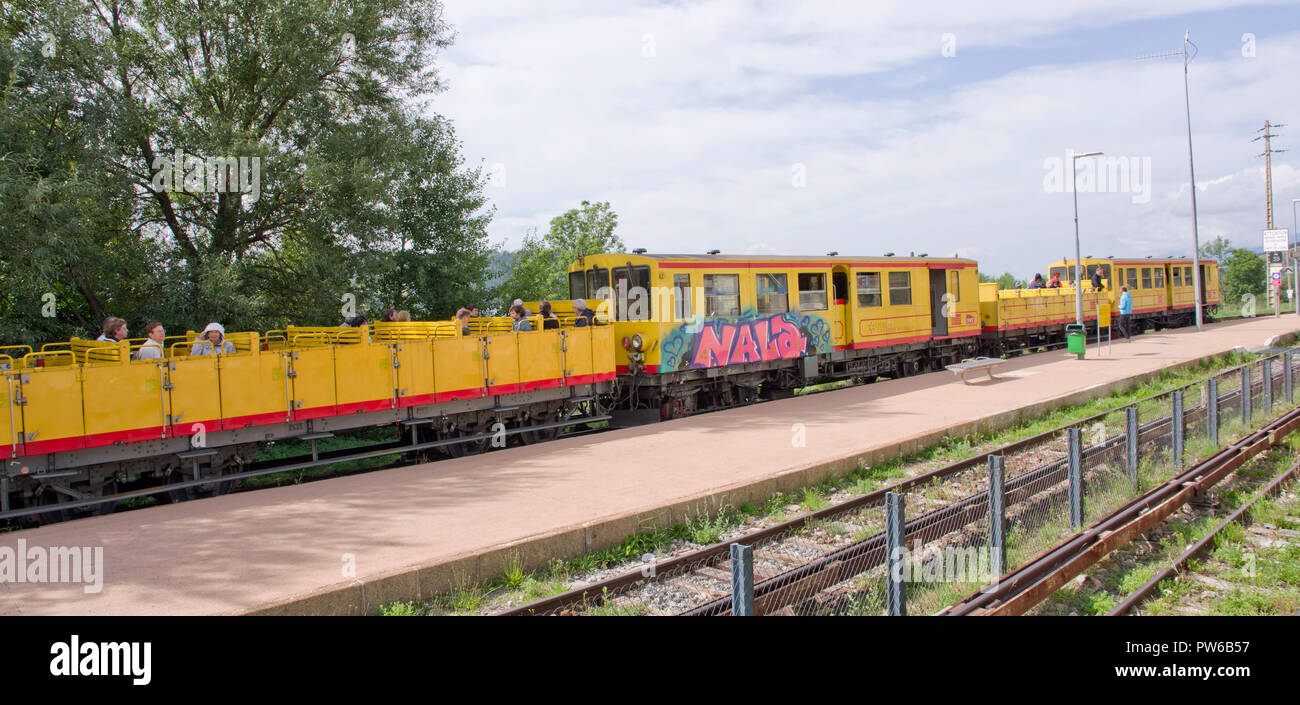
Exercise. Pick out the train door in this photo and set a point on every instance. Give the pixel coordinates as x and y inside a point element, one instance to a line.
<point>840,287</point>
<point>938,287</point>
<point>1205,286</point>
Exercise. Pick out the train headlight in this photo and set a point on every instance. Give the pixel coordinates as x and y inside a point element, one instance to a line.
<point>637,342</point>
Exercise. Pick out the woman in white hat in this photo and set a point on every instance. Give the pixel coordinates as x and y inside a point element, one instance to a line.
<point>212,338</point>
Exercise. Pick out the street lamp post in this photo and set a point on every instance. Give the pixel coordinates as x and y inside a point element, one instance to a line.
<point>1290,255</point>
<point>1078,261</point>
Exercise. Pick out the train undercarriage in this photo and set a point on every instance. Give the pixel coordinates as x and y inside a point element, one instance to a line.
<point>66,485</point>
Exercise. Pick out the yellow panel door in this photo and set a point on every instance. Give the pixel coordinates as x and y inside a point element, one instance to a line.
<point>602,353</point>
<point>414,372</point>
<point>51,412</point>
<point>10,419</point>
<point>195,395</point>
<point>540,361</point>
<point>459,370</point>
<point>577,354</point>
<point>503,363</point>
<point>254,389</point>
<point>312,375</point>
<point>124,403</point>
<point>365,377</point>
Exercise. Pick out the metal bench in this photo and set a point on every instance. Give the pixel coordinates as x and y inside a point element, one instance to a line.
<point>975,364</point>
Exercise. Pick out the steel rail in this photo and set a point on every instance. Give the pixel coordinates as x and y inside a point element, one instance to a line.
<point>1144,593</point>
<point>863,555</point>
<point>1035,580</point>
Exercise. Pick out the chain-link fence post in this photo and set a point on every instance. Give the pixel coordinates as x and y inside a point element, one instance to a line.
<point>1131,440</point>
<point>1245,394</point>
<point>1268,386</point>
<point>742,580</point>
<point>1076,478</point>
<point>1212,411</point>
<point>1286,377</point>
<point>1176,418</point>
<point>895,580</point>
<point>997,516</point>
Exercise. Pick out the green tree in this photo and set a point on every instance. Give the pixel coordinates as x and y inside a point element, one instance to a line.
<point>1244,273</point>
<point>539,270</point>
<point>353,186</point>
<point>1009,281</point>
<point>1216,249</point>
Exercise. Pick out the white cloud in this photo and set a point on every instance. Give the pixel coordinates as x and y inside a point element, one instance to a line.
<point>694,146</point>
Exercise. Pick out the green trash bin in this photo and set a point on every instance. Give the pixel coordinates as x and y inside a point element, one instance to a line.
<point>1075,339</point>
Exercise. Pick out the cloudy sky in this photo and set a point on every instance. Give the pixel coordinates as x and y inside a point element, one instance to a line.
<point>802,127</point>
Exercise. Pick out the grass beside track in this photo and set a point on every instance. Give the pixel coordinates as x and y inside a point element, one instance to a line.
<point>517,587</point>
<point>1236,577</point>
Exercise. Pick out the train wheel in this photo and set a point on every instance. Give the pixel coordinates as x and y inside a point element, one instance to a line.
<point>457,450</point>
<point>108,488</point>
<point>179,495</point>
<point>47,496</point>
<point>217,489</point>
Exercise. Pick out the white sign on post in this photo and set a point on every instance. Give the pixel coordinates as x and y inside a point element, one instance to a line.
<point>1275,241</point>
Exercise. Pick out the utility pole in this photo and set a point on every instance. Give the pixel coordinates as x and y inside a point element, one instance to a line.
<point>1191,167</point>
<point>1268,168</point>
<point>1275,292</point>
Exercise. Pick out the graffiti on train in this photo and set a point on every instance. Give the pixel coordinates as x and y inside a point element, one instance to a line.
<point>719,342</point>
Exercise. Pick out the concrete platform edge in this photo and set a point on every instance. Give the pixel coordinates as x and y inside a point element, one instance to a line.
<point>425,581</point>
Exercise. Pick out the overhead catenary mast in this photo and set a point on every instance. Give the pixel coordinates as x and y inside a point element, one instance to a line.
<point>1191,167</point>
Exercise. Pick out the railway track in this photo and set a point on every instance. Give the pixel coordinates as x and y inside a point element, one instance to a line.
<point>799,558</point>
<point>1180,564</point>
<point>1039,578</point>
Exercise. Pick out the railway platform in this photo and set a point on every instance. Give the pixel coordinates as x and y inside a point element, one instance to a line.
<point>350,544</point>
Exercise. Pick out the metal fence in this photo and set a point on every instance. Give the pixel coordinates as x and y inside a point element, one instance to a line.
<point>934,540</point>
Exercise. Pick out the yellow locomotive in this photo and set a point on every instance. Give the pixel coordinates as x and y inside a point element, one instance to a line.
<point>709,331</point>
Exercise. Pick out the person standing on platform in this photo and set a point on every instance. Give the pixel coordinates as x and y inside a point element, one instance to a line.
<point>1125,311</point>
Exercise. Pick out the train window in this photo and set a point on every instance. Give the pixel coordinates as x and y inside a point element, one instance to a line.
<point>1132,277</point>
<point>954,285</point>
<point>721,295</point>
<point>632,286</point>
<point>682,296</point>
<point>1146,277</point>
<point>869,289</point>
<point>812,292</point>
<point>1061,272</point>
<point>900,288</point>
<point>1178,276</point>
<point>1187,277</point>
<point>773,294</point>
<point>1159,274</point>
<point>597,279</point>
<point>578,285</point>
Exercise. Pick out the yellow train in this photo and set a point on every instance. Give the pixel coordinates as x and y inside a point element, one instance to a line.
<point>675,334</point>
<point>709,331</point>
<point>1162,291</point>
<point>84,418</point>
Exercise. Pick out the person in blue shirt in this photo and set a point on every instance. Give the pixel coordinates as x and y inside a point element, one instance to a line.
<point>584,315</point>
<point>1125,311</point>
<point>518,313</point>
